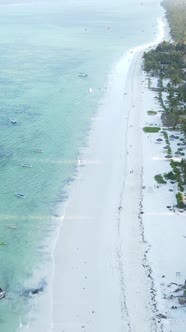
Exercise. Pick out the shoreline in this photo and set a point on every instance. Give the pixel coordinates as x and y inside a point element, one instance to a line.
<point>96,231</point>
<point>96,317</point>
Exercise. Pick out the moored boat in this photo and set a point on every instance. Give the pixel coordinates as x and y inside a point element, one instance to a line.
<point>82,75</point>
<point>20,195</point>
<point>12,226</point>
<point>2,293</point>
<point>26,165</point>
<point>38,150</point>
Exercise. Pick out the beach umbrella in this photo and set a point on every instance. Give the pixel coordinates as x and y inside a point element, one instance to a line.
<point>168,156</point>
<point>166,147</point>
<point>159,139</point>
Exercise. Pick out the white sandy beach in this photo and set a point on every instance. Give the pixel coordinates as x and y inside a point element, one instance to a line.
<point>117,238</point>
<point>100,283</point>
<point>99,251</point>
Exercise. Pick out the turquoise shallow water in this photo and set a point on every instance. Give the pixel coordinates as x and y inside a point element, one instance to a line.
<point>43,46</point>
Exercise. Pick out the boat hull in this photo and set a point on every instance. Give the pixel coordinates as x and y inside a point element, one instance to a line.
<point>2,294</point>
<point>20,195</point>
<point>26,165</point>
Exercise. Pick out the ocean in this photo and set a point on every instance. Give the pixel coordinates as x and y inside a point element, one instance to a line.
<point>46,112</point>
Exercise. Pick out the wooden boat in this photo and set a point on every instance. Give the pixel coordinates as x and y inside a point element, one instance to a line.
<point>20,195</point>
<point>82,75</point>
<point>12,226</point>
<point>2,293</point>
<point>26,165</point>
<point>38,150</point>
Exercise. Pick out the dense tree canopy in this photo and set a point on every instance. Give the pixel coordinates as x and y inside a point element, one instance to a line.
<point>168,61</point>
<point>176,15</point>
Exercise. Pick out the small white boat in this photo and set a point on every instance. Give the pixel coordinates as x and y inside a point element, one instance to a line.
<point>20,195</point>
<point>38,150</point>
<point>82,75</point>
<point>26,165</point>
<point>12,226</point>
<point>13,121</point>
<point>2,293</point>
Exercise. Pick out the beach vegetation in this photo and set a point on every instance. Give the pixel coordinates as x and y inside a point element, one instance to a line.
<point>159,178</point>
<point>170,176</point>
<point>167,62</point>
<point>151,112</point>
<point>180,200</point>
<point>183,169</point>
<point>169,151</point>
<point>183,126</point>
<point>149,82</point>
<point>178,173</point>
<point>180,185</point>
<point>165,134</point>
<point>151,129</point>
<point>176,13</point>
<point>175,166</point>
